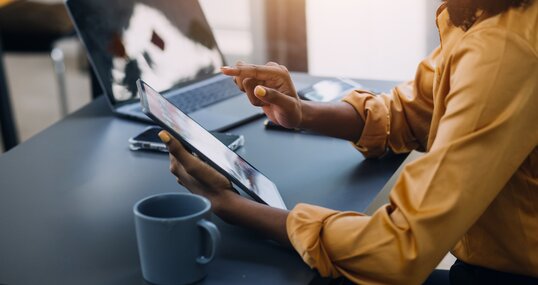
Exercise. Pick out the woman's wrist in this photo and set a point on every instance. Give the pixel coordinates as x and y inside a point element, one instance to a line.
<point>237,210</point>
<point>305,109</point>
<point>335,119</point>
<point>221,203</point>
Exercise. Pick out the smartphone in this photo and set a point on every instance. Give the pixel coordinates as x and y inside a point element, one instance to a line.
<point>207,147</point>
<point>148,139</point>
<point>328,90</point>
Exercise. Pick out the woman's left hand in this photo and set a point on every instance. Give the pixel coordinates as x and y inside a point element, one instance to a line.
<point>197,176</point>
<point>202,179</point>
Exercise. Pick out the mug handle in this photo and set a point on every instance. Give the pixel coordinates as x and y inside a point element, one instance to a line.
<point>214,234</point>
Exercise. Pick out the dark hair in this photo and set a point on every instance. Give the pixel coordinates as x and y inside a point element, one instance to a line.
<point>463,12</point>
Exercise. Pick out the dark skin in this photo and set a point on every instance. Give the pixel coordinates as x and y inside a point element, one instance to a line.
<point>271,88</point>
<point>282,105</point>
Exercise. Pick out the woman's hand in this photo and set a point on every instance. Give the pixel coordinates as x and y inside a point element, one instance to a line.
<point>202,179</point>
<point>196,175</point>
<point>270,87</point>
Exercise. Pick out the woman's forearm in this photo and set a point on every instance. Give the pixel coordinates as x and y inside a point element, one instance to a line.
<point>268,221</point>
<point>335,119</point>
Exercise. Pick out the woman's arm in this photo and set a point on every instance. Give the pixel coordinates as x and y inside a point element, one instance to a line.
<point>202,179</point>
<point>467,177</point>
<point>271,88</point>
<point>336,119</point>
<point>268,221</point>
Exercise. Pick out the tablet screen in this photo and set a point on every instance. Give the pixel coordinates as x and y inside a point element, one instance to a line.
<point>238,170</point>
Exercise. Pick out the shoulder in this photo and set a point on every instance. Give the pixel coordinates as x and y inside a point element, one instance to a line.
<point>495,45</point>
<point>518,26</point>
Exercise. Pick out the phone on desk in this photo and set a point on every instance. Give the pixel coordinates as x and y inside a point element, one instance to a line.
<point>208,148</point>
<point>149,140</point>
<point>328,90</point>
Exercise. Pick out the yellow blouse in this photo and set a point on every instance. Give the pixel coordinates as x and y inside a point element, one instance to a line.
<point>473,107</point>
<point>4,2</point>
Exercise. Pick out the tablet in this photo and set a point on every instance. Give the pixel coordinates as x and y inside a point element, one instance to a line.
<point>199,141</point>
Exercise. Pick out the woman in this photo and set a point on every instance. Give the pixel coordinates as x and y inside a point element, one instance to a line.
<point>472,107</point>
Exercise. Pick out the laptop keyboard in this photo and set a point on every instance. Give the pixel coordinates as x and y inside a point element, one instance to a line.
<point>198,98</point>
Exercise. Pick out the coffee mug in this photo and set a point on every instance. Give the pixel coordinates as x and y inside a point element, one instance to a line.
<point>173,232</point>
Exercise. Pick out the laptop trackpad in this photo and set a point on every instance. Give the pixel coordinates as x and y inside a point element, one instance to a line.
<point>226,114</point>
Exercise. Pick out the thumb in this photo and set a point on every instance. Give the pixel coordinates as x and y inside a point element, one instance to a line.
<point>177,150</point>
<point>271,96</point>
<point>174,147</point>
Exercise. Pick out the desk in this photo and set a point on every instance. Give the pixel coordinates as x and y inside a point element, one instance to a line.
<point>66,198</point>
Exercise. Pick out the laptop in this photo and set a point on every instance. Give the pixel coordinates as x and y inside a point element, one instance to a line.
<point>168,44</point>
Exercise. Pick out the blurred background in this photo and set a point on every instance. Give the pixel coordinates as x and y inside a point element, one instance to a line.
<point>382,39</point>
<point>48,75</point>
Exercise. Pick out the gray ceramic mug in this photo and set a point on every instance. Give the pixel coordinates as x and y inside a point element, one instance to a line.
<point>173,232</point>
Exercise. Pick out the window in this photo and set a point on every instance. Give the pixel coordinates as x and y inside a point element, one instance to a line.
<point>383,39</point>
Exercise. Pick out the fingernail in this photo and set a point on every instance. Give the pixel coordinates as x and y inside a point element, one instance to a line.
<point>164,136</point>
<point>260,91</point>
<point>227,68</point>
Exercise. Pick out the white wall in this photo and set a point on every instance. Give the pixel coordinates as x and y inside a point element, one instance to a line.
<point>383,39</point>
<point>239,28</point>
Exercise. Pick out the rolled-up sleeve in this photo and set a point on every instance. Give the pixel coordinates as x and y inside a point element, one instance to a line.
<point>486,132</point>
<point>398,121</point>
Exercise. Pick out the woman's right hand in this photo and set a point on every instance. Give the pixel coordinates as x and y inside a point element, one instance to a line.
<point>270,87</point>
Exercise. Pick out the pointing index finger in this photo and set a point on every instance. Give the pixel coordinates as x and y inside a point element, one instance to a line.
<point>231,71</point>
<point>258,72</point>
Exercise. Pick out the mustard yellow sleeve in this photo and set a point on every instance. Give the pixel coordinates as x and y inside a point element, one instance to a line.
<point>5,2</point>
<point>398,121</point>
<point>486,132</point>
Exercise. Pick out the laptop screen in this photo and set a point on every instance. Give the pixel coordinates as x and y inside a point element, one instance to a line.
<point>167,43</point>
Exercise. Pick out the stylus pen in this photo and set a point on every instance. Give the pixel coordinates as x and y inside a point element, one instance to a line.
<point>270,125</point>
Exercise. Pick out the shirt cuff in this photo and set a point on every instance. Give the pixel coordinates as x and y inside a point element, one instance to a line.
<point>304,226</point>
<point>376,118</point>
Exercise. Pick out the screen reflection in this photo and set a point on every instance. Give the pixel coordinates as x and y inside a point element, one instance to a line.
<point>164,42</point>
<point>213,149</point>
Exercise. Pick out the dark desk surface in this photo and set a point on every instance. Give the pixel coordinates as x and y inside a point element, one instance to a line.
<point>66,198</point>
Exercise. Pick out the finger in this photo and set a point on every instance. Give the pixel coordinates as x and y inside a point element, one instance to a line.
<point>193,166</point>
<point>258,72</point>
<point>175,148</point>
<point>231,71</point>
<point>171,143</point>
<point>250,84</point>
<point>239,79</point>
<point>239,82</point>
<point>182,177</point>
<point>271,96</point>
<point>282,67</point>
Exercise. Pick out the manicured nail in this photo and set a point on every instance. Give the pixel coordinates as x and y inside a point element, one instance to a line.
<point>164,136</point>
<point>260,91</point>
